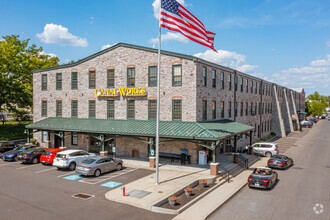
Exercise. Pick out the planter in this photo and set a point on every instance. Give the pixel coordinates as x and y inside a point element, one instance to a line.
<point>172,201</point>
<point>203,183</point>
<point>188,192</point>
<point>250,150</point>
<point>235,157</point>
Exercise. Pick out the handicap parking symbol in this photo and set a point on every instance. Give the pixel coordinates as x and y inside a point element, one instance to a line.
<point>72,177</point>
<point>111,184</point>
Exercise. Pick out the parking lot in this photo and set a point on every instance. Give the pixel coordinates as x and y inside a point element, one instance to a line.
<point>28,190</point>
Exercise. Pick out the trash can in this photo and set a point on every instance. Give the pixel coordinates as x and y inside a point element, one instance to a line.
<point>250,150</point>
<point>235,157</point>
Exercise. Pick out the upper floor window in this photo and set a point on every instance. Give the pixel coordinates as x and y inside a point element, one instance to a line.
<point>242,84</point>
<point>130,109</point>
<point>229,109</point>
<point>111,78</point>
<point>177,110</point>
<point>214,110</point>
<point>222,109</point>
<point>251,86</point>
<point>256,88</point>
<point>74,80</point>
<point>214,79</point>
<point>204,76</point>
<point>229,81</point>
<point>152,72</point>
<point>131,77</point>
<point>44,108</point>
<point>236,82</point>
<point>44,82</point>
<point>111,108</point>
<point>204,115</point>
<point>222,77</point>
<point>58,81</point>
<point>152,109</point>
<point>247,108</point>
<point>92,109</point>
<point>58,108</point>
<point>74,108</point>
<point>92,79</point>
<point>241,108</point>
<point>235,109</point>
<point>247,85</point>
<point>177,75</point>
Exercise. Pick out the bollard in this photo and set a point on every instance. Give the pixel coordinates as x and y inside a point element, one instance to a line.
<point>123,188</point>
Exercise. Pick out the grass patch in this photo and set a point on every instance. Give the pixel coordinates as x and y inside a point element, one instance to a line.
<point>12,130</point>
<point>267,138</point>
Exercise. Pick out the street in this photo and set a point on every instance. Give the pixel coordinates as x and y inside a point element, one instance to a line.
<point>302,191</point>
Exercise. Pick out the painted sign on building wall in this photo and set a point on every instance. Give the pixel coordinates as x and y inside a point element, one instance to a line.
<point>120,92</point>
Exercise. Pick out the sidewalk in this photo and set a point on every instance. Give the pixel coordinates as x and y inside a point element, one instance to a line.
<point>204,207</point>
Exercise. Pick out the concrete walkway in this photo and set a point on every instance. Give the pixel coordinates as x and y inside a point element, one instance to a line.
<point>212,201</point>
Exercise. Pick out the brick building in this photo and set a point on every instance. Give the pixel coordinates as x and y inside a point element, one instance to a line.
<point>107,102</point>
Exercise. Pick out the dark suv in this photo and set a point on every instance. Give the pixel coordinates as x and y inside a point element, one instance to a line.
<point>6,146</point>
<point>31,155</point>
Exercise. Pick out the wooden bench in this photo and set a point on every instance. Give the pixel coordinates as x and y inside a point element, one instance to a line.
<point>173,156</point>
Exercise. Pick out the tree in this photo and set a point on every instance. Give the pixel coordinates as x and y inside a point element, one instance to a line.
<point>21,115</point>
<point>17,60</point>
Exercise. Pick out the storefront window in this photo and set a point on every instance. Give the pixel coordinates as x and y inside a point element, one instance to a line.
<point>74,138</point>
<point>45,136</point>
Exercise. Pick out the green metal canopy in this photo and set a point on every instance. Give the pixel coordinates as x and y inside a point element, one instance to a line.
<point>213,130</point>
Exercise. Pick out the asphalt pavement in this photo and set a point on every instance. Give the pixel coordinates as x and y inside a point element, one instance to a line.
<point>302,191</point>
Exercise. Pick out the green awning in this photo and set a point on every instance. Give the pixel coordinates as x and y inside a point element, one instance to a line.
<point>146,128</point>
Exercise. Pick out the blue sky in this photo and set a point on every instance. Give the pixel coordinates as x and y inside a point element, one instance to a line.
<point>287,42</point>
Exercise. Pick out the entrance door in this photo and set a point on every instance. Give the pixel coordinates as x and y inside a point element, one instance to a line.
<point>57,141</point>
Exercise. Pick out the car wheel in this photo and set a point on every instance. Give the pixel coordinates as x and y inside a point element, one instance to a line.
<point>97,173</point>
<point>72,166</point>
<point>268,154</point>
<point>35,160</point>
<point>119,166</point>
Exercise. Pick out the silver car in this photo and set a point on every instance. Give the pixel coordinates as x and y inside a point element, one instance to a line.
<point>68,159</point>
<point>95,166</point>
<point>267,149</point>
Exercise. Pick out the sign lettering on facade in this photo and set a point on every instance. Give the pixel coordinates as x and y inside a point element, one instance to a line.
<point>120,92</point>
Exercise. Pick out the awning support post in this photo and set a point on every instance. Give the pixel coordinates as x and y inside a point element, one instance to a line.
<point>61,134</point>
<point>102,142</point>
<point>235,143</point>
<point>250,138</point>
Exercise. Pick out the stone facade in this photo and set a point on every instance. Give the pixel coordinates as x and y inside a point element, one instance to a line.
<point>256,102</point>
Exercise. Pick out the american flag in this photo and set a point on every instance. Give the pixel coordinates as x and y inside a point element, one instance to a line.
<point>175,17</point>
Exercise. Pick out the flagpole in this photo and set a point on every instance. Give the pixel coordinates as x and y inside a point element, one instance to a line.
<point>158,106</point>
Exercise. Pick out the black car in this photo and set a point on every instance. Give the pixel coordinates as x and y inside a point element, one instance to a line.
<point>6,146</point>
<point>262,177</point>
<point>31,155</point>
<point>280,161</point>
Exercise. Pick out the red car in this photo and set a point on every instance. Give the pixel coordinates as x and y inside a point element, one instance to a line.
<point>49,155</point>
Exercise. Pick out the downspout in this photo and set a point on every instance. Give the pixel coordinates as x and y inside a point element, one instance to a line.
<point>235,88</point>
<point>261,108</point>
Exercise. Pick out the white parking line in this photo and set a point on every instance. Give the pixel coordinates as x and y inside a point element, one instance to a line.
<point>101,180</point>
<point>66,174</point>
<point>27,166</point>
<point>53,168</point>
<point>9,163</point>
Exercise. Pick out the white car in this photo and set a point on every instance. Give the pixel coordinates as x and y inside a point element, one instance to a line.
<point>267,149</point>
<point>68,159</point>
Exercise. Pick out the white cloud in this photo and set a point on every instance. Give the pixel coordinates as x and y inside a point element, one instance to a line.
<point>156,6</point>
<point>106,46</point>
<point>227,58</point>
<point>170,36</point>
<point>306,69</point>
<point>49,54</point>
<point>323,62</point>
<point>91,20</point>
<point>57,34</point>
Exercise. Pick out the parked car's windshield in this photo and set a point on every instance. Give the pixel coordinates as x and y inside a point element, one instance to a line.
<point>47,153</point>
<point>18,148</point>
<point>88,161</point>
<point>260,171</point>
<point>61,156</point>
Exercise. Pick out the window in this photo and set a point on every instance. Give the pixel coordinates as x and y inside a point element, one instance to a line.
<point>258,131</point>
<point>222,80</point>
<point>255,108</point>
<point>204,76</point>
<point>176,75</point>
<point>74,80</point>
<point>251,108</point>
<point>92,79</point>
<point>74,108</point>
<point>247,109</point>
<point>247,85</point>
<point>152,72</point>
<point>152,109</point>
<point>130,109</point>
<point>229,109</point>
<point>242,84</point>
<point>235,109</point>
<point>214,79</point>
<point>262,108</point>
<point>74,138</point>
<point>251,86</point>
<point>92,109</point>
<point>44,108</point>
<point>259,108</point>
<point>58,81</point>
<point>44,82</point>
<point>255,129</point>
<point>111,108</point>
<point>229,81</point>
<point>45,136</point>
<point>131,77</point>
<point>271,107</point>
<point>204,115</point>
<point>222,108</point>
<point>58,108</point>
<point>110,78</point>
<point>236,81</point>
<point>263,89</point>
<point>256,88</point>
<point>241,108</point>
<point>177,110</point>
<point>214,110</point>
